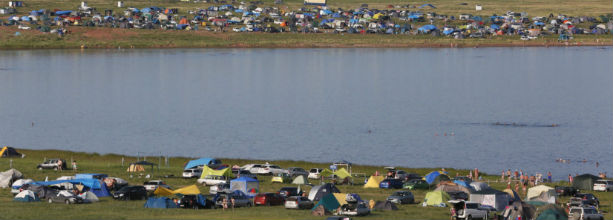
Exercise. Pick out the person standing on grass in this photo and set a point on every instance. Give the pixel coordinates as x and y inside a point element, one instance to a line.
<point>502,176</point>
<point>570,179</point>
<point>60,164</point>
<point>74,165</point>
<point>549,177</point>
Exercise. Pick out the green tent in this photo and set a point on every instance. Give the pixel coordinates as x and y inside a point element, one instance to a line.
<point>329,202</point>
<point>435,198</point>
<point>326,173</point>
<point>585,181</point>
<point>552,212</point>
<point>300,180</point>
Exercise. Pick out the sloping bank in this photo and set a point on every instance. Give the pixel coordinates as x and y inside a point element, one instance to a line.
<point>84,37</point>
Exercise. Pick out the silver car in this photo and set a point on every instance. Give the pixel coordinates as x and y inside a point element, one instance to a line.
<point>298,202</point>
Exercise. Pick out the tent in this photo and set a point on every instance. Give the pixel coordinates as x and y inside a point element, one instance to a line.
<point>427,5</point>
<point>247,185</point>
<point>464,184</point>
<point>440,178</point>
<point>300,180</point>
<point>491,197</point>
<point>160,203</point>
<point>341,198</point>
<point>18,183</point>
<point>329,202</point>
<point>90,176</point>
<point>320,211</point>
<point>585,181</point>
<point>209,171</point>
<point>514,196</point>
<point>551,212</point>
<point>89,197</point>
<point>430,177</point>
<point>479,186</point>
<point>7,151</point>
<point>542,193</point>
<point>162,191</point>
<point>436,198</point>
<point>318,192</point>
<point>7,177</point>
<point>373,182</point>
<point>519,209</point>
<point>385,206</point>
<point>140,166</point>
<point>205,161</point>
<point>326,172</point>
<point>26,196</point>
<point>450,187</point>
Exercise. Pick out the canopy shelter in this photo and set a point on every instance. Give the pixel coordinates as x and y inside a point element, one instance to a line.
<point>96,186</point>
<point>491,197</point>
<point>140,166</point>
<point>206,171</point>
<point>585,181</point>
<point>249,186</point>
<point>344,163</point>
<point>205,161</point>
<point>188,190</point>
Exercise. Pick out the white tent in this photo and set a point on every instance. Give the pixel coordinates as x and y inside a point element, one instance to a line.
<point>542,193</point>
<point>300,180</point>
<point>479,186</point>
<point>26,196</point>
<point>89,197</point>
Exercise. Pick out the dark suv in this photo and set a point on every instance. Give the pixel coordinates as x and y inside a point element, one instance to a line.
<point>131,193</point>
<point>52,164</point>
<point>566,190</point>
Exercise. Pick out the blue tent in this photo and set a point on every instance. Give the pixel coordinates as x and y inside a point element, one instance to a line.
<point>464,184</point>
<point>94,185</point>
<point>432,175</point>
<point>427,28</point>
<point>198,162</point>
<point>477,18</point>
<point>415,15</point>
<point>160,203</point>
<point>146,10</point>
<point>63,12</point>
<point>495,27</point>
<point>247,185</point>
<point>424,5</point>
<point>539,23</point>
<point>25,18</point>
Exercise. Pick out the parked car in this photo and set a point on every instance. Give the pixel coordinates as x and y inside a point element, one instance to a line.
<point>151,185</point>
<point>297,171</point>
<point>412,176</point>
<point>210,180</point>
<point>468,210</point>
<point>52,164</point>
<point>578,202</point>
<point>240,199</point>
<point>584,213</point>
<point>416,184</point>
<point>289,191</point>
<point>298,202</point>
<point>63,196</point>
<point>270,169</point>
<point>402,197</point>
<point>244,173</point>
<point>192,173</point>
<point>354,209</point>
<point>458,195</point>
<point>314,173</point>
<point>281,178</point>
<point>566,190</point>
<point>268,199</point>
<point>131,193</point>
<point>589,199</point>
<point>603,185</point>
<point>222,188</point>
<point>391,184</point>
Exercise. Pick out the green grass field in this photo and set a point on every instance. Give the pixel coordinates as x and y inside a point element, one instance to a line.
<point>110,209</point>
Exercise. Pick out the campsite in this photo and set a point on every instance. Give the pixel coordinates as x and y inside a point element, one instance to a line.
<point>75,24</point>
<point>92,166</point>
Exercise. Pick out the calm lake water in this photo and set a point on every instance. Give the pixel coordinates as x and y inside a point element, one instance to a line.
<point>403,107</point>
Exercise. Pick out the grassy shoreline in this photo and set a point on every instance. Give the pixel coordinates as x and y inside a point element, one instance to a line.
<point>84,37</point>
<point>109,209</point>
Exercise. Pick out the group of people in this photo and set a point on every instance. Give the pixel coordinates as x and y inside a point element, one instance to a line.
<point>60,165</point>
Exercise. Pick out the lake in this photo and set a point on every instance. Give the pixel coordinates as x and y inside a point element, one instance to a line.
<point>486,108</point>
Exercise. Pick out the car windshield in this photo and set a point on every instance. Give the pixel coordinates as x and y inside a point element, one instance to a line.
<point>313,170</point>
<point>590,211</point>
<point>472,205</point>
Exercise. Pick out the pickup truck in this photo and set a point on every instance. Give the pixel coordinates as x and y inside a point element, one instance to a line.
<point>468,210</point>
